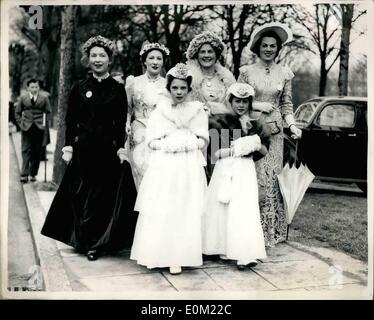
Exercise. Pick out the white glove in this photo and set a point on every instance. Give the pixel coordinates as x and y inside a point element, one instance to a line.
<point>121,153</point>
<point>200,143</point>
<point>296,132</point>
<point>67,154</point>
<point>246,145</point>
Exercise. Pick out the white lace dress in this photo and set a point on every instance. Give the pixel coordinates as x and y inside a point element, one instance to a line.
<point>143,94</point>
<point>211,91</point>
<point>273,86</point>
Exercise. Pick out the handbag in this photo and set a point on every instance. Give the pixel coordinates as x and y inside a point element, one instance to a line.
<point>274,128</point>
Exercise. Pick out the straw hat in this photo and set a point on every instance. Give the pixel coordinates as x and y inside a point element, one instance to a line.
<point>284,33</point>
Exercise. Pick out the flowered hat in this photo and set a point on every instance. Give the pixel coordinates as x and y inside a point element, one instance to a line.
<point>99,41</point>
<point>240,90</point>
<point>147,46</point>
<point>202,38</point>
<point>179,71</point>
<point>283,32</point>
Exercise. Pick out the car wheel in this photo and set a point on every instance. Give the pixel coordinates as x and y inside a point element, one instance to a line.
<point>363,186</point>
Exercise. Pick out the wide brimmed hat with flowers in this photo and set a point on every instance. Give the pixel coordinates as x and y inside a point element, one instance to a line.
<point>202,38</point>
<point>240,90</point>
<point>148,46</point>
<point>284,33</point>
<point>99,41</point>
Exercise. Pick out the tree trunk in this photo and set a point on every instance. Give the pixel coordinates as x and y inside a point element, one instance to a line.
<point>68,27</point>
<point>16,57</point>
<point>52,62</point>
<point>347,15</point>
<point>323,77</point>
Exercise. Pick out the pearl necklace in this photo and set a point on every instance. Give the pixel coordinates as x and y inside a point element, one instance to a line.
<point>100,78</point>
<point>153,79</point>
<point>208,79</point>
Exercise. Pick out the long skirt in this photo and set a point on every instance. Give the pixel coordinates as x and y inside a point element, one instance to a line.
<point>231,221</point>
<point>138,150</point>
<point>273,215</point>
<point>170,205</point>
<point>93,207</point>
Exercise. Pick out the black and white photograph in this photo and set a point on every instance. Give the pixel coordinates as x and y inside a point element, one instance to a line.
<point>177,150</point>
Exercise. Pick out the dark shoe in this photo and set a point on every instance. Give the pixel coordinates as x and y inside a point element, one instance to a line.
<point>80,251</point>
<point>92,255</point>
<point>32,179</point>
<point>241,267</point>
<point>24,179</point>
<point>252,264</point>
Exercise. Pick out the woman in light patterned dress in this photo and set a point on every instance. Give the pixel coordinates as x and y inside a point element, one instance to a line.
<point>273,98</point>
<point>210,78</point>
<point>143,93</point>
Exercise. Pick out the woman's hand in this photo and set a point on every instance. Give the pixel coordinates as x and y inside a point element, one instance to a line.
<point>128,128</point>
<point>265,107</point>
<point>217,108</point>
<point>295,132</point>
<point>156,144</point>
<point>67,154</point>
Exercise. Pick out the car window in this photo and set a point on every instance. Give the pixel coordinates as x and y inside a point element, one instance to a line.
<point>337,115</point>
<point>305,112</point>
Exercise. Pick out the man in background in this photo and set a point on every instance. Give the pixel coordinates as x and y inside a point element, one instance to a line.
<point>33,112</point>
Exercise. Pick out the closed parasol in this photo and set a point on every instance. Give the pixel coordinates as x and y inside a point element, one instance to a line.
<point>293,183</point>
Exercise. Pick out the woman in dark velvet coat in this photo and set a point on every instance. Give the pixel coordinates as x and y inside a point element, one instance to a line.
<point>93,207</point>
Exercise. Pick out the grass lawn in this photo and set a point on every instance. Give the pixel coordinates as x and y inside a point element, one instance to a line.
<point>332,220</point>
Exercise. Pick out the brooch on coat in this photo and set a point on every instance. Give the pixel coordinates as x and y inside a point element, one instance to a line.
<point>89,94</point>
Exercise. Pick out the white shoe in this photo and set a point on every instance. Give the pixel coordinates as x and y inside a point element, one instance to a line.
<point>223,257</point>
<point>175,270</point>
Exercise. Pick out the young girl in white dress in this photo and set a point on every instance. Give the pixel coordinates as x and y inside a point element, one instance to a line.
<point>231,221</point>
<point>171,195</point>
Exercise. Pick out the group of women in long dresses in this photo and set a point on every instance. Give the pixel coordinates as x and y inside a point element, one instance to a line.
<point>150,192</point>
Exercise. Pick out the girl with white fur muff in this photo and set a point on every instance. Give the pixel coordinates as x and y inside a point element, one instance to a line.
<point>171,195</point>
<point>231,221</point>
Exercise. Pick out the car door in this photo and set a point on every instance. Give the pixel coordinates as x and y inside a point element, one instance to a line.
<point>328,139</point>
<point>361,144</point>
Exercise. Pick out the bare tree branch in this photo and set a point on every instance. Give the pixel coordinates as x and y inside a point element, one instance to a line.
<point>333,62</point>
<point>358,16</point>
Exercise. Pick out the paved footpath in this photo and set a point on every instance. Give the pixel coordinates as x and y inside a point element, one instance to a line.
<point>291,270</point>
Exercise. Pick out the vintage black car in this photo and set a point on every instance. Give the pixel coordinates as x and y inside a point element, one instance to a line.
<point>335,139</point>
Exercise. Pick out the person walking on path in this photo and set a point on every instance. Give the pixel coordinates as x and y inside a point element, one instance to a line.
<point>272,84</point>
<point>32,113</point>
<point>143,93</point>
<point>93,207</point>
<point>171,196</point>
